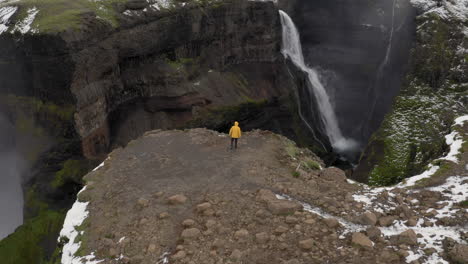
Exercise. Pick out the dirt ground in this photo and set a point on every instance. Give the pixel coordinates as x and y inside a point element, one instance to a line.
<point>185,197</point>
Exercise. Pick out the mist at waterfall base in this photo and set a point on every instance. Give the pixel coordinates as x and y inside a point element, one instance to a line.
<point>292,49</point>
<point>11,194</point>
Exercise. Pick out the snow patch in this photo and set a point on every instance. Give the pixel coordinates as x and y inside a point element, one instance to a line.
<point>75,217</point>
<point>164,259</point>
<point>98,167</point>
<point>25,25</point>
<point>445,9</point>
<point>5,14</point>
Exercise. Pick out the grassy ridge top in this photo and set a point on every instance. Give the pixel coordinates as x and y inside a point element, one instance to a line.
<point>59,15</point>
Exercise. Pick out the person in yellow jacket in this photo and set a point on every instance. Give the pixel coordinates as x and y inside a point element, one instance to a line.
<point>235,133</point>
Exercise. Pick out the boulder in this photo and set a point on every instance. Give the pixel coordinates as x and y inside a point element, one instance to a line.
<point>188,223</point>
<point>333,174</point>
<point>283,207</point>
<point>177,199</point>
<point>368,218</point>
<point>413,221</point>
<point>191,233</point>
<point>179,255</point>
<point>291,220</point>
<point>459,254</point>
<point>386,220</point>
<point>373,232</point>
<point>306,244</point>
<point>152,248</point>
<point>203,207</point>
<point>262,237</point>
<point>408,237</point>
<point>332,222</point>
<point>281,229</point>
<point>361,240</point>
<point>142,202</point>
<point>236,254</point>
<point>241,234</point>
<point>264,195</point>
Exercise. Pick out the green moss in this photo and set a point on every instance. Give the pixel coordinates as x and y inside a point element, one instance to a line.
<point>464,204</point>
<point>312,165</point>
<point>295,174</point>
<point>72,171</point>
<point>59,15</point>
<point>26,245</point>
<point>412,134</point>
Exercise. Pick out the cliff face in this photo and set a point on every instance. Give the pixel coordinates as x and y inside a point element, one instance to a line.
<point>82,90</point>
<point>160,73</point>
<point>158,69</point>
<point>413,133</point>
<point>361,50</point>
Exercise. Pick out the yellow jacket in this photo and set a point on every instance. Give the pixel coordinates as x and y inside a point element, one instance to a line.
<point>235,131</point>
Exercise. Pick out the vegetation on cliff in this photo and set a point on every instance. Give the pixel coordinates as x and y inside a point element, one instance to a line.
<point>412,134</point>
<point>56,149</point>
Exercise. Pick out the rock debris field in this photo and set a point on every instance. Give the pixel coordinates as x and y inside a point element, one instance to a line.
<point>184,197</point>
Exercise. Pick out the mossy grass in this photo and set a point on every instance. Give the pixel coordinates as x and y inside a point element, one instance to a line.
<point>60,15</point>
<point>24,246</point>
<point>72,172</point>
<point>412,134</point>
<point>464,204</point>
<point>311,165</point>
<point>295,174</point>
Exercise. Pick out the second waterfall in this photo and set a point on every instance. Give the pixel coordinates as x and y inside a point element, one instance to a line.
<point>292,48</point>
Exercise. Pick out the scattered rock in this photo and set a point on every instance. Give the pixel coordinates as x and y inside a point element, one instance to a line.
<point>360,240</point>
<point>459,254</point>
<point>333,174</point>
<point>291,220</point>
<point>191,233</point>
<point>306,244</point>
<point>408,237</point>
<point>283,207</point>
<point>386,220</point>
<point>113,252</point>
<point>368,218</point>
<point>236,254</point>
<point>158,194</point>
<point>262,237</point>
<point>281,229</point>
<point>152,248</point>
<point>413,221</point>
<point>142,202</point>
<point>177,199</point>
<point>179,255</point>
<point>241,234</point>
<point>332,222</point>
<point>163,215</point>
<point>188,223</point>
<point>265,195</point>
<point>203,207</point>
<point>210,223</point>
<point>373,232</point>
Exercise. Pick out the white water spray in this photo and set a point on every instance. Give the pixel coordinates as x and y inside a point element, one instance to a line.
<point>292,48</point>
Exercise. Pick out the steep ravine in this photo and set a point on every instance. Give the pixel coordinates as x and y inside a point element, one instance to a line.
<point>96,86</point>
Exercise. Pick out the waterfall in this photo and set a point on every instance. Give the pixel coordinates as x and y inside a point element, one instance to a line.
<point>382,66</point>
<point>11,193</point>
<point>292,48</point>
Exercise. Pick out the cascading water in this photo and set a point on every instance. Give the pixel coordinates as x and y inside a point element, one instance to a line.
<point>11,193</point>
<point>383,65</point>
<point>292,48</point>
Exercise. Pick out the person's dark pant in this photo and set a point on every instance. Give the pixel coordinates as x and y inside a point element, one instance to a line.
<point>234,141</point>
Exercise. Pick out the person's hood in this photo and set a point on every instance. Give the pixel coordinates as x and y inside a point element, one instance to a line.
<point>236,123</point>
